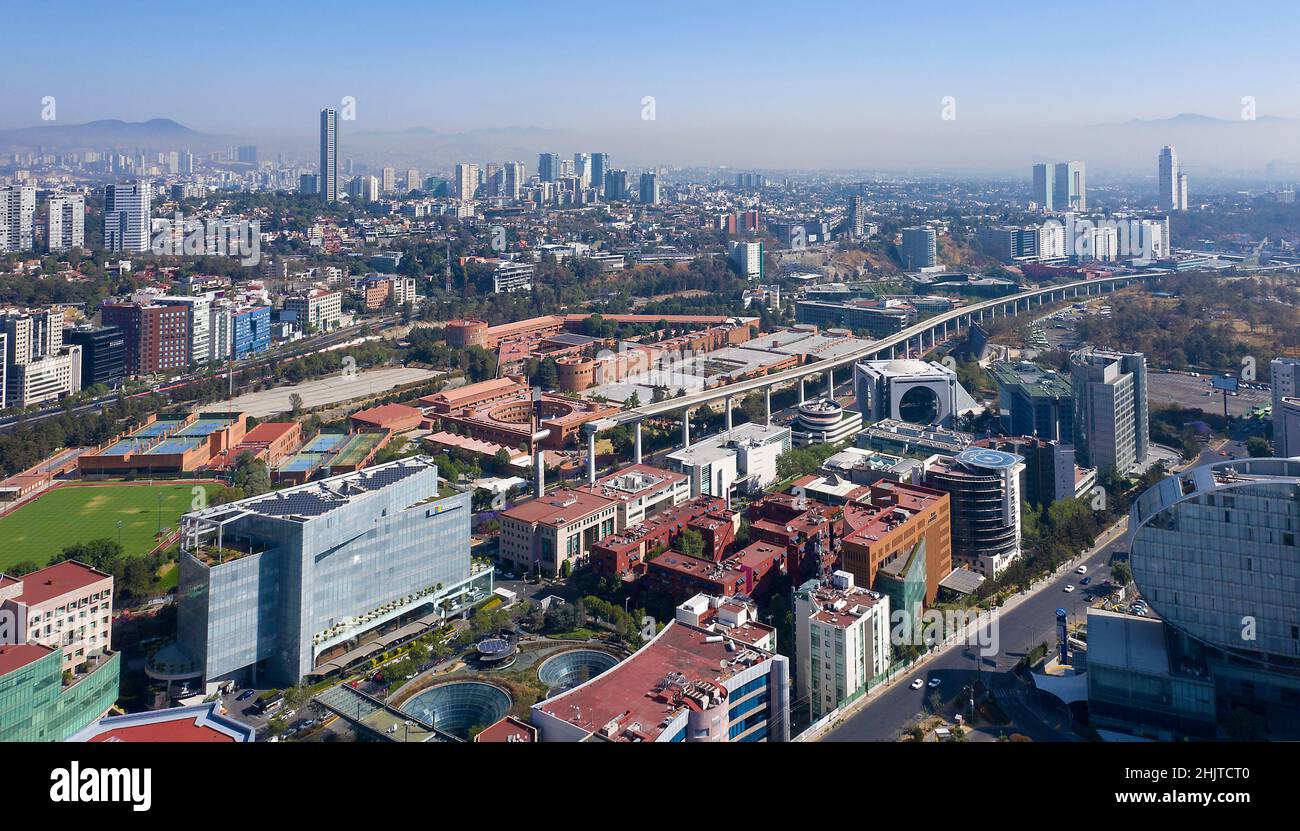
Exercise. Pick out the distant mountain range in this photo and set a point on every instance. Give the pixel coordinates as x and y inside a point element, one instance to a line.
<point>112,132</point>
<point>1199,120</point>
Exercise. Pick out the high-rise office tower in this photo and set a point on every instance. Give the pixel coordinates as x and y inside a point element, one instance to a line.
<point>582,168</point>
<point>466,180</point>
<point>1044,179</point>
<point>66,222</point>
<point>1182,192</point>
<point>857,217</point>
<point>984,491</point>
<point>127,216</point>
<point>1168,178</point>
<point>375,538</point>
<point>1071,187</point>
<point>747,259</point>
<point>364,188</point>
<point>1035,401</point>
<point>103,354</point>
<point>919,248</point>
<point>412,179</point>
<point>513,181</point>
<point>1283,376</point>
<point>1110,408</point>
<point>599,167</point>
<point>548,167</point>
<point>616,185</point>
<point>650,188</point>
<point>17,218</point>
<point>329,157</point>
<point>388,178</point>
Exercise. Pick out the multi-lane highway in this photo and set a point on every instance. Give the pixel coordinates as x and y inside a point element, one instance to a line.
<point>320,343</point>
<point>1030,621</point>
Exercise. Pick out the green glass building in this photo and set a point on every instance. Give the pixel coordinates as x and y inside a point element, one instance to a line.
<point>35,704</point>
<point>902,580</point>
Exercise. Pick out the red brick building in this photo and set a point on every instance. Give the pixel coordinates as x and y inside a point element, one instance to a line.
<point>396,417</point>
<point>157,337</point>
<point>622,555</point>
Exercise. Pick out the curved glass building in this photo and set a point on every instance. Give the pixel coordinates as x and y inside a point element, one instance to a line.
<point>1215,552</point>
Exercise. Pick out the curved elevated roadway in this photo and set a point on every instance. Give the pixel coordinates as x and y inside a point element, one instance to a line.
<point>922,336</point>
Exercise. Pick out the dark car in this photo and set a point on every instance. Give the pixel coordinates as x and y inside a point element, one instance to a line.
<point>245,695</point>
<point>1085,581</point>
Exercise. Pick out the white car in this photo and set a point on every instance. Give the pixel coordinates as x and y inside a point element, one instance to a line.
<point>1081,570</point>
<point>918,684</point>
<point>1069,588</point>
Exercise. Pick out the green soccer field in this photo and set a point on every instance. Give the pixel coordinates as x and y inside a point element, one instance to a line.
<point>69,514</point>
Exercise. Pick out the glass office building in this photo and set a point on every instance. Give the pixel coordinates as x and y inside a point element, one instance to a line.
<point>269,584</point>
<point>35,703</point>
<point>1214,551</point>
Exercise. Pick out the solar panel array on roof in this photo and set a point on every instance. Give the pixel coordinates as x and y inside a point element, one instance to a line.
<point>304,503</point>
<point>322,497</point>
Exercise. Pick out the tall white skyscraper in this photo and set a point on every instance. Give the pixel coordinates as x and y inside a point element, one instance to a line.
<point>1070,190</point>
<point>388,179</point>
<point>67,221</point>
<point>1110,408</point>
<point>17,218</point>
<point>466,180</point>
<point>514,179</point>
<point>329,155</point>
<point>582,168</point>
<point>412,179</point>
<point>364,188</point>
<point>1172,182</point>
<point>127,216</point>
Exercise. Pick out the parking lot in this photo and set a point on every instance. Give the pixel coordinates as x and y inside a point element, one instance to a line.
<point>1196,392</point>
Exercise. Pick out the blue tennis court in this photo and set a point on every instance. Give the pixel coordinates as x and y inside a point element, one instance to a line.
<point>175,444</point>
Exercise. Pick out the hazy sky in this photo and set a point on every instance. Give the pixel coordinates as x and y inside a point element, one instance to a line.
<point>715,70</point>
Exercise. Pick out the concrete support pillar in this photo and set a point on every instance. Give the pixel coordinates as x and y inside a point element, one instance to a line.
<point>767,398</point>
<point>830,384</point>
<point>591,458</point>
<point>727,400</point>
<point>539,472</point>
<point>801,390</point>
<point>686,428</point>
<point>636,432</point>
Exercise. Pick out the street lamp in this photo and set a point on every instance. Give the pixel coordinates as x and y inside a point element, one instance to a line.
<point>119,533</point>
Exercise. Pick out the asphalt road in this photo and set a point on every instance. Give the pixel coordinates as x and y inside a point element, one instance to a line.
<point>1031,622</point>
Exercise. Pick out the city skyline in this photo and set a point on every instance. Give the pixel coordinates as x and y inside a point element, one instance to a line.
<point>928,95</point>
